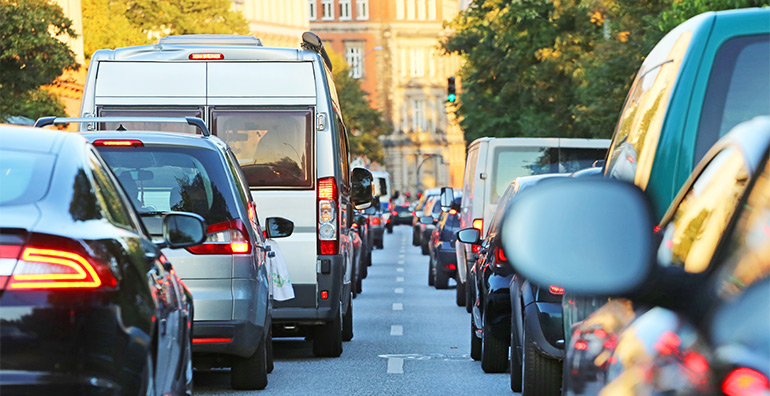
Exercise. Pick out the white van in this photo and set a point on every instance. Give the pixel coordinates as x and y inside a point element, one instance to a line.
<point>277,109</point>
<point>491,165</point>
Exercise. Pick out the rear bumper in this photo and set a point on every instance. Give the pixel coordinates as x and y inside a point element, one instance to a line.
<point>245,337</point>
<point>307,308</point>
<point>446,255</point>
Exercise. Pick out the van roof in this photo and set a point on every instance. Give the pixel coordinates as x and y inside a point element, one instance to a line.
<point>180,50</point>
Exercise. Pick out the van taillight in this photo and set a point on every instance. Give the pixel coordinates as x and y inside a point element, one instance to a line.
<point>328,242</point>
<point>40,268</point>
<point>229,237</point>
<point>206,56</point>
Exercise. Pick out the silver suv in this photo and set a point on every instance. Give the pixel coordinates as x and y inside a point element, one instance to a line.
<point>227,275</point>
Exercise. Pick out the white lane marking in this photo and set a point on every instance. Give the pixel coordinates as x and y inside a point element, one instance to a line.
<point>400,262</point>
<point>399,270</point>
<point>395,366</point>
<point>399,290</point>
<point>401,256</point>
<point>398,307</point>
<point>399,279</point>
<point>396,330</point>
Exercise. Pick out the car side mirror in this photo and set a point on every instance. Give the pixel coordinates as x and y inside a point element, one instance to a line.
<point>545,235</point>
<point>447,198</point>
<point>469,235</point>
<point>418,213</point>
<point>182,229</point>
<point>278,227</point>
<point>426,220</point>
<point>361,181</point>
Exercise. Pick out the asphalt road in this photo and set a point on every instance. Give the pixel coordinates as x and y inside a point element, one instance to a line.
<point>409,339</point>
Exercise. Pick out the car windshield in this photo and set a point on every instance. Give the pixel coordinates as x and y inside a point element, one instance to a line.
<point>163,179</point>
<point>24,176</point>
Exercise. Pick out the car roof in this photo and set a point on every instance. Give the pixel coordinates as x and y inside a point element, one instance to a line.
<point>39,140</point>
<point>156,138</point>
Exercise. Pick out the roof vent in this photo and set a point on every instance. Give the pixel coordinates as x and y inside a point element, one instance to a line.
<point>211,39</point>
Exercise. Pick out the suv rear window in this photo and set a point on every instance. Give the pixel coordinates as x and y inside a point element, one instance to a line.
<point>162,179</point>
<point>24,176</point>
<point>273,147</point>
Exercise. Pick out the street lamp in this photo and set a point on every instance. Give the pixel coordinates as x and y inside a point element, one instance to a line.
<point>425,158</point>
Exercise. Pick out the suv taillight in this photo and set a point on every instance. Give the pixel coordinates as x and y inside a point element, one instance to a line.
<point>376,220</point>
<point>228,237</point>
<point>328,242</point>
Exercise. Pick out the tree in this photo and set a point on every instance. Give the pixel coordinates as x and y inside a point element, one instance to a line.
<point>32,56</point>
<point>365,124</point>
<point>120,23</point>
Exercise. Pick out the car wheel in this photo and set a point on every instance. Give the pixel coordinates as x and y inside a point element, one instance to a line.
<point>380,244</point>
<point>250,373</point>
<point>359,286</point>
<point>390,230</point>
<point>369,258</point>
<point>442,279</point>
<point>475,342</point>
<point>270,360</point>
<point>431,279</point>
<point>514,366</point>
<point>460,293</point>
<point>347,323</point>
<point>424,249</point>
<point>494,351</point>
<point>541,375</point>
<point>327,340</point>
<point>415,237</point>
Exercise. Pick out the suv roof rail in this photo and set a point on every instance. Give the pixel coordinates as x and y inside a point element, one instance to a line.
<point>194,121</point>
<point>211,39</point>
<point>311,41</point>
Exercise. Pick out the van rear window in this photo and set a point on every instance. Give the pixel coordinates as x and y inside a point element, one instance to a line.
<point>150,126</point>
<point>273,147</point>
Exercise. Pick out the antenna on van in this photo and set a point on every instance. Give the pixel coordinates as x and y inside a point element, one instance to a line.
<point>311,41</point>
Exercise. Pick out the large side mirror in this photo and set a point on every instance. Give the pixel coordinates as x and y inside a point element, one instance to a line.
<point>447,198</point>
<point>278,227</point>
<point>181,229</point>
<point>361,184</point>
<point>547,235</point>
<point>426,220</point>
<point>469,235</point>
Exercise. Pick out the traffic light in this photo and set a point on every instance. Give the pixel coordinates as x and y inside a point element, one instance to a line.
<point>451,93</point>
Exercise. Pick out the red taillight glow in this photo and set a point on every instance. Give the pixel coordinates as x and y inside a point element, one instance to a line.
<point>376,220</point>
<point>327,188</point>
<point>611,342</point>
<point>211,340</point>
<point>118,143</point>
<point>53,269</point>
<point>328,242</point>
<point>324,295</point>
<point>206,56</point>
<point>327,247</point>
<point>452,211</point>
<point>229,237</point>
<point>450,266</point>
<point>478,224</point>
<point>744,381</point>
<point>668,343</point>
<point>475,248</point>
<point>600,333</point>
<point>581,345</point>
<point>500,255</point>
<point>394,213</point>
<point>556,290</point>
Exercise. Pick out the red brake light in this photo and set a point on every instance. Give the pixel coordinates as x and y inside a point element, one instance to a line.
<point>500,255</point>
<point>55,269</point>
<point>328,242</point>
<point>118,143</point>
<point>581,345</point>
<point>327,188</point>
<point>210,340</point>
<point>478,224</point>
<point>600,333</point>
<point>376,220</point>
<point>744,381</point>
<point>452,211</point>
<point>206,56</point>
<point>394,213</point>
<point>475,248</point>
<point>229,237</point>
<point>556,290</point>
<point>324,295</point>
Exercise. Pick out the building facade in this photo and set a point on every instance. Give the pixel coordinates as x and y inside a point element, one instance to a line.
<point>392,46</point>
<point>278,23</point>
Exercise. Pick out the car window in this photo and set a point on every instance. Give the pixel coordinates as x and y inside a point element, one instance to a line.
<point>505,201</point>
<point>150,112</point>
<point>636,136</point>
<point>737,88</point>
<point>747,250</point>
<point>24,176</point>
<point>109,198</point>
<point>343,148</point>
<point>691,236</point>
<point>470,180</point>
<point>273,147</point>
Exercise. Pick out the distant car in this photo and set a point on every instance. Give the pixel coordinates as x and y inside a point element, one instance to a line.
<point>163,172</point>
<point>697,312</point>
<point>401,215</point>
<point>431,209</point>
<point>417,213</point>
<point>376,226</point>
<point>89,303</point>
<point>443,260</point>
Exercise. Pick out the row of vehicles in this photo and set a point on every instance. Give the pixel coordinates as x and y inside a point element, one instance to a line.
<point>145,245</point>
<point>648,272</point>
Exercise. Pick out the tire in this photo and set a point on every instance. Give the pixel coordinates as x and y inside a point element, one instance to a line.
<point>475,343</point>
<point>347,323</point>
<point>415,237</point>
<point>460,293</point>
<point>494,351</point>
<point>390,230</point>
<point>147,387</point>
<point>541,375</point>
<point>327,340</point>
<point>369,258</point>
<point>431,279</point>
<point>424,247</point>
<point>359,285</point>
<point>442,279</point>
<point>270,360</point>
<point>250,373</point>
<point>365,269</point>
<point>514,366</point>
<point>380,244</point>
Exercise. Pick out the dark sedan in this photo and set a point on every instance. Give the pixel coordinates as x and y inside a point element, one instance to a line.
<point>89,304</point>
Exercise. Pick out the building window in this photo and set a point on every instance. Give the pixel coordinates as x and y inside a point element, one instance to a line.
<point>328,10</point>
<point>417,58</point>
<point>399,9</point>
<point>362,11</point>
<point>432,10</point>
<point>354,57</point>
<point>345,13</point>
<point>421,10</point>
<point>418,115</point>
<point>410,9</point>
<point>312,9</point>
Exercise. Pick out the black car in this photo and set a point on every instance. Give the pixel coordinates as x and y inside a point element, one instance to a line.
<point>401,215</point>
<point>89,303</point>
<point>418,212</point>
<point>692,312</point>
<point>431,210</point>
<point>443,257</point>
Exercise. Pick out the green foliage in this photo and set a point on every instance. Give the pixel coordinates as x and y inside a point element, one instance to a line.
<point>120,23</point>
<point>558,67</point>
<point>31,56</point>
<point>364,123</point>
